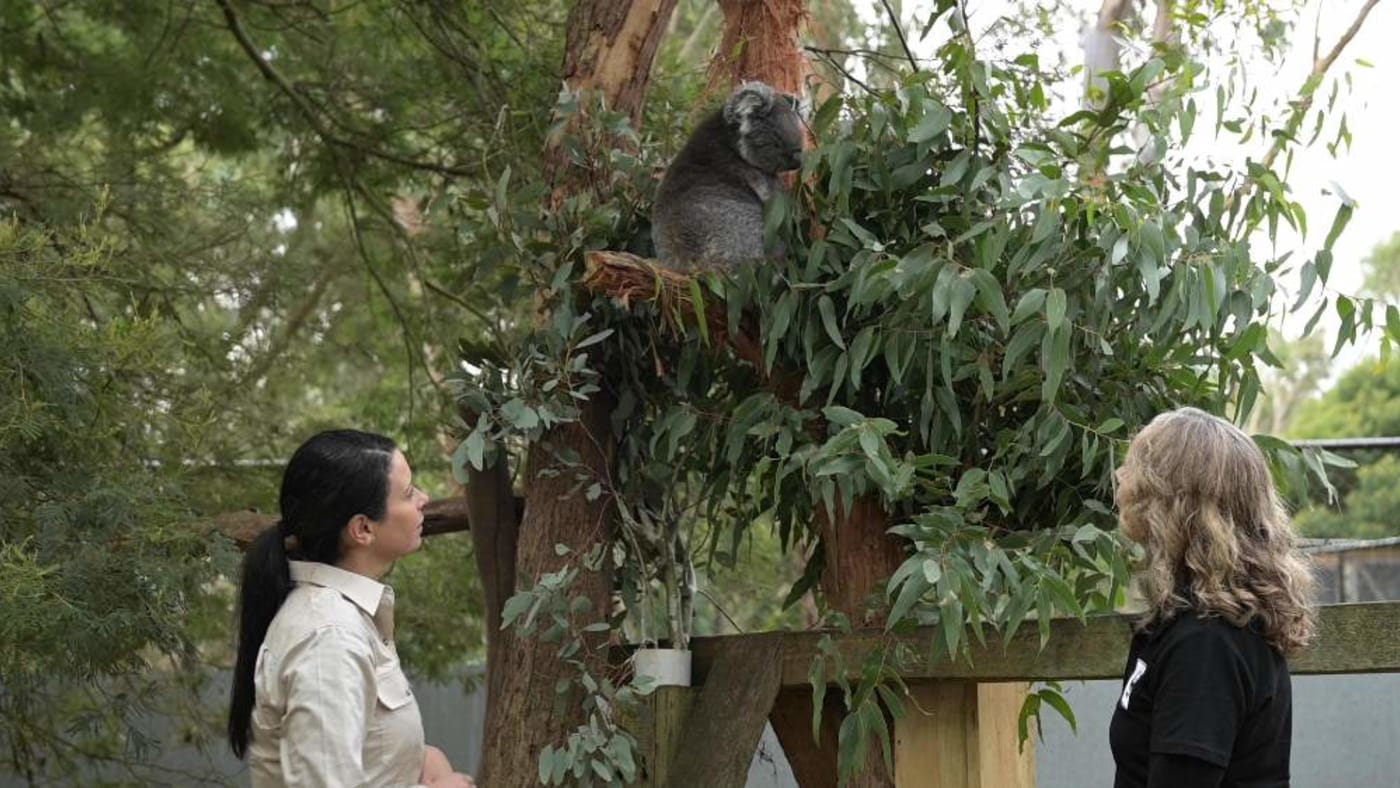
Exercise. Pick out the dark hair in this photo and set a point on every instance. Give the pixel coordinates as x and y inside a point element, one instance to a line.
<point>332,477</point>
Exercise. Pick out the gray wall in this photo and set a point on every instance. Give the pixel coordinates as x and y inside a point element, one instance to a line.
<point>1346,732</point>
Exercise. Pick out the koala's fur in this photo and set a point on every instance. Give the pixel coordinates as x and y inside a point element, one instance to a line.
<point>709,207</point>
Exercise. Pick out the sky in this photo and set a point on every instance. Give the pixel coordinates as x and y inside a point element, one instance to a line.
<point>1367,172</point>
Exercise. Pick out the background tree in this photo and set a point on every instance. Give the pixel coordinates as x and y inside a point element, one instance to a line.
<point>1383,269</point>
<point>1303,367</point>
<point>205,259</point>
<point>1363,402</point>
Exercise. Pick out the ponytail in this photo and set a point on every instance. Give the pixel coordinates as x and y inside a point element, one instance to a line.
<point>332,477</point>
<point>266,583</point>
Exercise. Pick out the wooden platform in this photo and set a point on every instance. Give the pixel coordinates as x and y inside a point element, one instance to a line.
<point>960,729</point>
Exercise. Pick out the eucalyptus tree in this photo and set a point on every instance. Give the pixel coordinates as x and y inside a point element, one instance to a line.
<point>984,293</point>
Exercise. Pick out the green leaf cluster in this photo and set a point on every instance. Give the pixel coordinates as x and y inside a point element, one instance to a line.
<point>600,751</point>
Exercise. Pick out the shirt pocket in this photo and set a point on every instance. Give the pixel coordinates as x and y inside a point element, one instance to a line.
<point>394,744</point>
<point>392,688</point>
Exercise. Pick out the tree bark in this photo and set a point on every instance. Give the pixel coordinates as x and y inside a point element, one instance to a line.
<point>610,46</point>
<point>494,515</point>
<point>860,557</point>
<point>527,713</point>
<point>608,51</point>
<point>761,42</point>
<point>1101,48</point>
<point>440,517</point>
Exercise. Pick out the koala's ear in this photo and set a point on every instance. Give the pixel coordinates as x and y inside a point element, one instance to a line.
<point>749,99</point>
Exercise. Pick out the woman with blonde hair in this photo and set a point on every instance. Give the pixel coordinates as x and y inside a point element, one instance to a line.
<point>1207,697</point>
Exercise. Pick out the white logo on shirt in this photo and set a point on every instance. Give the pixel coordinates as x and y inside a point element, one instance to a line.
<point>1138,670</point>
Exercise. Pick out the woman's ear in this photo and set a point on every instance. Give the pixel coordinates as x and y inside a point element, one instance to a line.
<point>359,531</point>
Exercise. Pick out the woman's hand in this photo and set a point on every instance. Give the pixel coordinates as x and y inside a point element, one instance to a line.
<point>437,771</point>
<point>435,765</point>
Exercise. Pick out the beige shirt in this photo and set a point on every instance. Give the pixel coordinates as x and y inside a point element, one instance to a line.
<point>332,706</point>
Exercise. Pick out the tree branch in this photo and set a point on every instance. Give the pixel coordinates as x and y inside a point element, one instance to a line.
<point>448,515</point>
<point>825,56</point>
<point>311,113</point>
<point>626,278</point>
<point>1320,68</point>
<point>899,33</point>
<point>410,341</point>
<point>289,330</point>
<point>1303,102</point>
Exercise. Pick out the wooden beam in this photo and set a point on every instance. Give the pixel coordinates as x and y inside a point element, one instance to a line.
<point>1003,760</point>
<point>442,516</point>
<point>1352,638</point>
<point>726,723</point>
<point>1355,638</point>
<point>813,762</point>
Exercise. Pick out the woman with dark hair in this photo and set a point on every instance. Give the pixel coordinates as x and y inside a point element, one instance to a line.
<point>319,697</point>
<point>1207,697</point>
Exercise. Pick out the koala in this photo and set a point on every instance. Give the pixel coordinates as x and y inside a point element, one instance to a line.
<point>709,206</point>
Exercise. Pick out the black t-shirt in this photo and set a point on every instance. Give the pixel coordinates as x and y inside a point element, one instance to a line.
<point>1203,689</point>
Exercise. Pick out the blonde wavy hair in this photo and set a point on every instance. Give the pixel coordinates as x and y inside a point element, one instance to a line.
<point>1196,493</point>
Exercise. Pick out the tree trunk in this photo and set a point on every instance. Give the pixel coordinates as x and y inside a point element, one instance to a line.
<point>608,51</point>
<point>495,527</point>
<point>860,557</point>
<point>761,42</point>
<point>527,713</point>
<point>610,46</point>
<point>1101,48</point>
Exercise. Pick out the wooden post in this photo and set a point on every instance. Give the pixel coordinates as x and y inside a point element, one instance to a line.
<point>662,720</point>
<point>960,734</point>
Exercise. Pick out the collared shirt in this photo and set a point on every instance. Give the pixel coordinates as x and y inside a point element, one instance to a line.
<point>332,706</point>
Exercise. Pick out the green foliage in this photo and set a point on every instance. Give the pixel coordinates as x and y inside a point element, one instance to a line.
<point>600,751</point>
<point>980,302</point>
<point>1383,269</point>
<point>1367,510</point>
<point>1304,366</point>
<point>1364,402</point>
<point>269,258</point>
<point>98,545</point>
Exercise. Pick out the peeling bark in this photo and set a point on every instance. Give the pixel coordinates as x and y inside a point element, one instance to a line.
<point>610,46</point>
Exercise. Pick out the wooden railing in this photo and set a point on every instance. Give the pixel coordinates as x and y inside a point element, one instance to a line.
<point>960,727</point>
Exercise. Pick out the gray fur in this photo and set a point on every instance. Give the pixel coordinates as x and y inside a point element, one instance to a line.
<point>709,206</point>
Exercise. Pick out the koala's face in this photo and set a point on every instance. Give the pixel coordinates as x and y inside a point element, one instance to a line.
<point>769,127</point>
